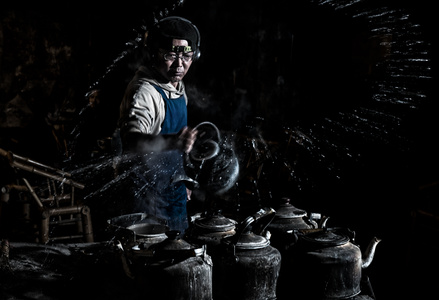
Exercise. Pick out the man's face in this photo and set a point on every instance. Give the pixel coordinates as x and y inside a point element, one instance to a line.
<point>174,65</point>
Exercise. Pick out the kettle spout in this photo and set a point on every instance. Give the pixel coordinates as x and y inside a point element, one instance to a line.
<point>370,252</point>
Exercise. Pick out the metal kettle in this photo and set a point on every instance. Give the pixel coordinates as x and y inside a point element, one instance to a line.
<point>288,222</point>
<point>250,266</point>
<point>209,229</point>
<point>212,162</point>
<point>173,269</point>
<point>331,264</point>
<point>137,229</point>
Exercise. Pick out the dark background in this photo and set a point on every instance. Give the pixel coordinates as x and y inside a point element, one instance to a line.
<point>265,66</point>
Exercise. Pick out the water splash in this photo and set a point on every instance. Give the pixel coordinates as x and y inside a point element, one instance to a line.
<point>314,152</point>
<point>397,88</point>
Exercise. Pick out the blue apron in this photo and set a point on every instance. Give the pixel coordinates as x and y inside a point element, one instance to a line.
<point>168,165</point>
<point>176,113</point>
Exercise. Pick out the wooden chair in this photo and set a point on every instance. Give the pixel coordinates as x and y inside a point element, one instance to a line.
<point>61,217</point>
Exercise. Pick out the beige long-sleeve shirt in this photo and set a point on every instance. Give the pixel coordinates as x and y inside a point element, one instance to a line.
<point>143,107</point>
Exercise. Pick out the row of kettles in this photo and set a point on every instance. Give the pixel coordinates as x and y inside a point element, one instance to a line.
<point>282,254</point>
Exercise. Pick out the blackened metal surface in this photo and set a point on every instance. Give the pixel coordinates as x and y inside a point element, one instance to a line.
<point>252,275</point>
<point>188,279</point>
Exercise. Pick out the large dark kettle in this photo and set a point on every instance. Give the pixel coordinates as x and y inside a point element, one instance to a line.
<point>330,264</point>
<point>137,228</point>
<point>250,266</point>
<point>210,229</point>
<point>172,269</point>
<point>212,162</point>
<point>287,222</point>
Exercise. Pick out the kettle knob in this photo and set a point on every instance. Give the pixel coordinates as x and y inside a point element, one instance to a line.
<point>173,234</point>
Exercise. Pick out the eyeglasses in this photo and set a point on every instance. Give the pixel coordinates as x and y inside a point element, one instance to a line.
<point>172,57</point>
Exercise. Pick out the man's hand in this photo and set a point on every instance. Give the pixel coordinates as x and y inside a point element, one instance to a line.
<point>188,136</point>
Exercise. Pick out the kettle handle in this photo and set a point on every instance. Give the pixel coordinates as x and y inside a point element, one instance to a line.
<point>213,145</point>
<point>218,134</point>
<point>264,216</point>
<point>126,264</point>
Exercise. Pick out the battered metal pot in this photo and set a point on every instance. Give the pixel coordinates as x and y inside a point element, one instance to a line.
<point>249,265</point>
<point>210,229</point>
<point>172,269</point>
<point>176,270</point>
<point>146,234</point>
<point>329,265</point>
<point>287,222</point>
<point>137,229</point>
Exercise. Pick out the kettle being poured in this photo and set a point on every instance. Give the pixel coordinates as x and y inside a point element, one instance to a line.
<point>212,163</point>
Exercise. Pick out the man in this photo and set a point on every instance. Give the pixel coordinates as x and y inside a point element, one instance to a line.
<point>153,122</point>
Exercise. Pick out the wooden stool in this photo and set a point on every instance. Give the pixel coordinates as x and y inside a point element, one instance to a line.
<point>56,203</point>
<point>78,216</point>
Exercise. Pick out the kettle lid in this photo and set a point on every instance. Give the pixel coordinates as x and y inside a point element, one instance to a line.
<point>148,229</point>
<point>172,244</point>
<point>215,222</point>
<point>326,238</point>
<point>288,211</point>
<point>173,250</point>
<point>249,241</point>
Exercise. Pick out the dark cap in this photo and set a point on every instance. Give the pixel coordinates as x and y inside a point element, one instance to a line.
<point>164,31</point>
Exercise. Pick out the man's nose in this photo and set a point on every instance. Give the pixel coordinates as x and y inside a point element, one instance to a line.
<point>178,61</point>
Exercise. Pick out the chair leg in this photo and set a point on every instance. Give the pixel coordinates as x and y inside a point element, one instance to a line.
<point>44,230</point>
<point>87,225</point>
